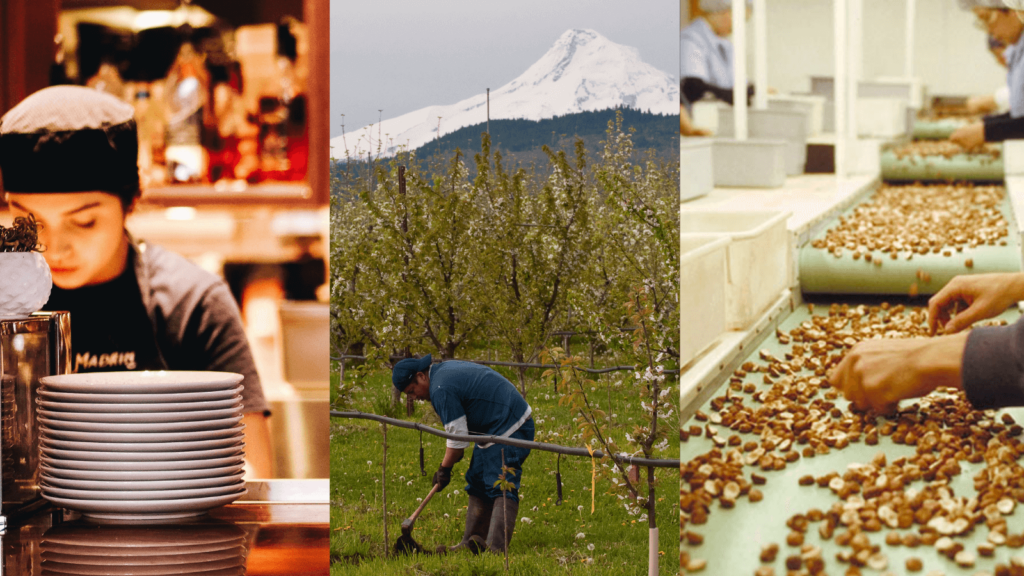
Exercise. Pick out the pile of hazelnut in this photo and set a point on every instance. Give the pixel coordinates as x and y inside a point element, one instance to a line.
<point>904,220</point>
<point>944,148</point>
<point>781,409</point>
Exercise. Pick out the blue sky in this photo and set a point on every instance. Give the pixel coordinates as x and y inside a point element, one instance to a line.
<point>402,55</point>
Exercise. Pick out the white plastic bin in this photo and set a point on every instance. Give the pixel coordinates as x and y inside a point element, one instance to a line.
<point>695,167</point>
<point>305,329</point>
<point>703,313</point>
<point>814,106</point>
<point>759,258</point>
<point>881,117</point>
<point>788,125</point>
<point>749,163</point>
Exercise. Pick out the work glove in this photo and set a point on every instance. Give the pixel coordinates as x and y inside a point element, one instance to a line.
<point>443,476</point>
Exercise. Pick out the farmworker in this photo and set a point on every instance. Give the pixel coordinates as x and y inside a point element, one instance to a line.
<point>1002,19</point>
<point>987,363</point>
<point>474,399</point>
<point>706,60</point>
<point>69,157</point>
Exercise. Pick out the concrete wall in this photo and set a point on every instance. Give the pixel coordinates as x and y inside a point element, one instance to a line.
<point>951,55</point>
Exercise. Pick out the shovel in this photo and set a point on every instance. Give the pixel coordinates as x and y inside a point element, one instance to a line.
<point>405,543</point>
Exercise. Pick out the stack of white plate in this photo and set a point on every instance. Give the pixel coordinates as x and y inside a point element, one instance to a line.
<point>213,549</point>
<point>141,445</point>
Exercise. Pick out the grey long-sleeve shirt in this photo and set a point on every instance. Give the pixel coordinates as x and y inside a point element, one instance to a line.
<point>993,366</point>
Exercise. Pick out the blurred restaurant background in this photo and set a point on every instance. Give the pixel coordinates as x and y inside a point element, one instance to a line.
<point>240,185</point>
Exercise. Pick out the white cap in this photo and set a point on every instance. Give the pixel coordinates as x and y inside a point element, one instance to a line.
<point>969,4</point>
<point>712,6</point>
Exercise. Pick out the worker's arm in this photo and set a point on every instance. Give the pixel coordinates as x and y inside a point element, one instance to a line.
<point>694,89</point>
<point>258,451</point>
<point>877,374</point>
<point>451,456</point>
<point>443,476</point>
<point>992,373</point>
<point>686,127</point>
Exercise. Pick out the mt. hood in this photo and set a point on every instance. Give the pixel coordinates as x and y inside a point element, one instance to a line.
<point>583,71</point>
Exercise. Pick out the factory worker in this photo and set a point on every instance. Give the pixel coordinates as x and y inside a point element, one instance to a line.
<point>999,101</point>
<point>69,157</point>
<point>474,399</point>
<point>1002,20</point>
<point>706,59</point>
<point>986,363</point>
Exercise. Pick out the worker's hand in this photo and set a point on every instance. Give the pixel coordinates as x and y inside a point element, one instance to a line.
<point>982,104</point>
<point>970,136</point>
<point>977,296</point>
<point>694,132</point>
<point>443,476</point>
<point>877,374</point>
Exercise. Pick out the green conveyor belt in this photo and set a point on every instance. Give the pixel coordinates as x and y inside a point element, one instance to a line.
<point>733,538</point>
<point>969,167</point>
<point>821,272</point>
<point>937,129</point>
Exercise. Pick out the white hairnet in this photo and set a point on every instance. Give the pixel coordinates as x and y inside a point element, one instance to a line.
<point>712,6</point>
<point>968,4</point>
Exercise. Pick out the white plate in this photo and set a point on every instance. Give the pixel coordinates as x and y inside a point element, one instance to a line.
<point>75,407</point>
<point>130,558</point>
<point>127,485</point>
<point>145,509</point>
<point>139,476</point>
<point>95,398</point>
<point>141,446</point>
<point>99,539</point>
<point>157,382</point>
<point>166,465</point>
<point>100,552</point>
<point>60,455</point>
<point>198,568</point>
<point>141,418</point>
<point>185,436</point>
<point>49,490</point>
<point>122,427</point>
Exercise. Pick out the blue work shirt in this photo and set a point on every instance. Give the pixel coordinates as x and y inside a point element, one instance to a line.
<point>470,398</point>
<point>705,55</point>
<point>1015,77</point>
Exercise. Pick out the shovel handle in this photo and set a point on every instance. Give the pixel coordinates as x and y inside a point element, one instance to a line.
<point>423,504</point>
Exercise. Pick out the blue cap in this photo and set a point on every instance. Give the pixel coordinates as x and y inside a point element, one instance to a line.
<point>404,371</point>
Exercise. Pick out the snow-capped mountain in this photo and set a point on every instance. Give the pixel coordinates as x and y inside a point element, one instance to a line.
<point>583,71</point>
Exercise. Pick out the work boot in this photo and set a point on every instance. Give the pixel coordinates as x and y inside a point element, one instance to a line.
<point>503,522</point>
<point>478,519</point>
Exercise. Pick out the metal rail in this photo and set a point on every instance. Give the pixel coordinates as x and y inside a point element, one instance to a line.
<point>521,365</point>
<point>482,439</point>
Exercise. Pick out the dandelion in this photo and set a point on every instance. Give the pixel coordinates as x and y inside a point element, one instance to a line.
<point>369,462</point>
<point>445,515</point>
<point>590,547</point>
<point>534,509</point>
<point>527,520</point>
<point>580,536</point>
<point>409,483</point>
<point>456,492</point>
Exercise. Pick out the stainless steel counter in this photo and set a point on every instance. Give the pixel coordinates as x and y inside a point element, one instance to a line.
<point>281,527</point>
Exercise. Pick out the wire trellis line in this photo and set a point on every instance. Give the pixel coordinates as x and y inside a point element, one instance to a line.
<point>486,439</point>
<point>522,365</point>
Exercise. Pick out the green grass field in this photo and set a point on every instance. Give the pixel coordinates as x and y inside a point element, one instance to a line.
<point>562,539</point>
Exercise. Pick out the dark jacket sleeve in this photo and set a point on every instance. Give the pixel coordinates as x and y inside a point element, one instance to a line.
<point>693,89</point>
<point>1003,127</point>
<point>993,366</point>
